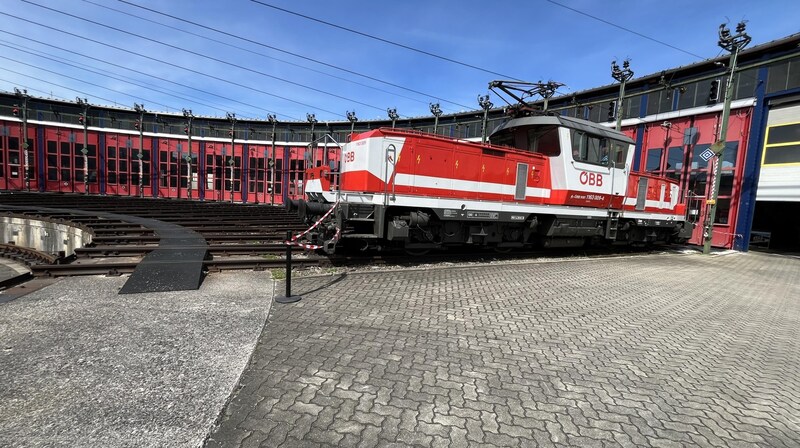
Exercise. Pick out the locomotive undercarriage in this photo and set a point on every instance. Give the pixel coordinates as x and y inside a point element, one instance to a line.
<point>375,227</point>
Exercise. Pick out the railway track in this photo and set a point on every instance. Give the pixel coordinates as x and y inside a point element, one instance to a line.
<point>238,236</point>
<point>126,267</point>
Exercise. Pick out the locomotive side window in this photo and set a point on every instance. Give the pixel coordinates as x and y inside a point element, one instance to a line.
<point>544,140</point>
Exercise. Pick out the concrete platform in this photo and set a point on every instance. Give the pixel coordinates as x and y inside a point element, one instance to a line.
<point>661,350</point>
<point>10,269</point>
<point>82,366</point>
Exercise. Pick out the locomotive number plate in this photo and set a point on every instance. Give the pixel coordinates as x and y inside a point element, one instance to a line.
<point>483,215</point>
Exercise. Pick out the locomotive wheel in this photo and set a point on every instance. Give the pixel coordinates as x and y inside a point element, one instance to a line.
<point>502,250</point>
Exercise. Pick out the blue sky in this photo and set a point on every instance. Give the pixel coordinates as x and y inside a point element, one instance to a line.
<point>528,40</point>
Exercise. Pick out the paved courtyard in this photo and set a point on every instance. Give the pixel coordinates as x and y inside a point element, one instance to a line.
<point>661,350</point>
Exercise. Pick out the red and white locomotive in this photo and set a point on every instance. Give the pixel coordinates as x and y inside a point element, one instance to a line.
<point>545,180</point>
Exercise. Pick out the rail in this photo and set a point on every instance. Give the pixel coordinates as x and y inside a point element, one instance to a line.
<point>27,255</point>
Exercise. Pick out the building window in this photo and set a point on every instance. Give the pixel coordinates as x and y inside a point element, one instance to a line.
<point>783,145</point>
<point>746,82</point>
<point>653,163</point>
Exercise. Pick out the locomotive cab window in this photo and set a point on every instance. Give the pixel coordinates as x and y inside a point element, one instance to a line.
<point>544,140</point>
<point>618,153</point>
<point>504,138</point>
<point>596,150</point>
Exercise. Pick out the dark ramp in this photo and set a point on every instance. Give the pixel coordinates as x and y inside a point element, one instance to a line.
<point>177,263</point>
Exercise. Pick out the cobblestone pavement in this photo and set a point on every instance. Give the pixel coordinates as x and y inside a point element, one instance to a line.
<point>665,350</point>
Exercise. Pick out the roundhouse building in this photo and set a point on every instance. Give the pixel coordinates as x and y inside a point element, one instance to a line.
<point>673,116</point>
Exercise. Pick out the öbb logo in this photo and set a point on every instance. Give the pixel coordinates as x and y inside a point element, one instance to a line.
<point>594,179</point>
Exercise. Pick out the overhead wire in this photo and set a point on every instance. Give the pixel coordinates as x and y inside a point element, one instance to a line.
<point>32,89</point>
<point>171,64</point>
<point>228,63</point>
<point>27,75</point>
<point>326,64</point>
<point>387,41</point>
<point>623,28</point>
<point>83,81</point>
<point>142,73</point>
<point>238,47</point>
<point>105,73</point>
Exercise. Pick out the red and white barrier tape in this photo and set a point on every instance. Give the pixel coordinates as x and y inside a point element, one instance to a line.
<point>319,221</point>
<point>313,246</point>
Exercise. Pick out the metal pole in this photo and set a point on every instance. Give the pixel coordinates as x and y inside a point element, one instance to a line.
<point>230,164</point>
<point>619,106</point>
<point>622,75</point>
<point>437,112</point>
<point>351,117</point>
<point>85,150</point>
<point>189,116</point>
<point>288,264</point>
<point>392,115</point>
<point>485,104</point>
<point>188,159</point>
<point>266,167</point>
<point>140,108</point>
<point>272,119</point>
<point>734,44</point>
<point>232,133</point>
<point>221,196</point>
<point>288,298</point>
<point>23,95</point>
<point>313,145</point>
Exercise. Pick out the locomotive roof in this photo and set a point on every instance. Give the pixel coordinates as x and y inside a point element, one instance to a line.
<point>567,122</point>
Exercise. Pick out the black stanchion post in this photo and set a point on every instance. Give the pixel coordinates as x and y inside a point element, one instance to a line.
<point>288,298</point>
<point>288,264</point>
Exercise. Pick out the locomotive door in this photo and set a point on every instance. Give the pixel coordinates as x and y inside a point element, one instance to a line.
<point>620,157</point>
<point>391,148</point>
